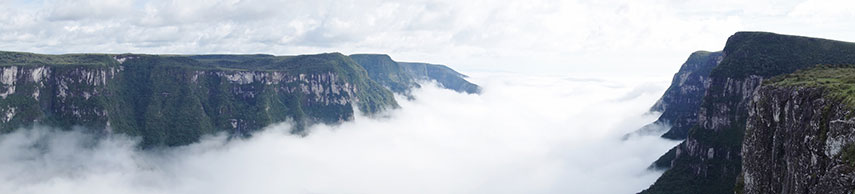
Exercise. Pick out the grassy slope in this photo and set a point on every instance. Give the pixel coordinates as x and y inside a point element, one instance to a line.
<point>29,59</point>
<point>768,54</point>
<point>839,82</point>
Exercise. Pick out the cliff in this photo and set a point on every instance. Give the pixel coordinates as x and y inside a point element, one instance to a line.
<point>710,159</point>
<point>384,70</point>
<point>679,105</point>
<point>173,100</point>
<point>401,76</point>
<point>799,135</point>
<point>443,75</point>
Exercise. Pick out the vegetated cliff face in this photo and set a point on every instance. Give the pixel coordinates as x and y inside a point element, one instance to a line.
<point>383,69</point>
<point>401,76</point>
<point>443,75</point>
<point>800,134</point>
<point>173,100</point>
<point>710,158</point>
<point>679,105</point>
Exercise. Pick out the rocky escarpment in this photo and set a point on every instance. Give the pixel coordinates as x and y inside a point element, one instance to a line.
<point>710,158</point>
<point>679,105</point>
<point>384,70</point>
<point>443,75</point>
<point>173,100</point>
<point>800,135</point>
<point>401,76</point>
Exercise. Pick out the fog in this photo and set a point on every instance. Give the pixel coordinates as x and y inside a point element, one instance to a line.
<point>524,134</point>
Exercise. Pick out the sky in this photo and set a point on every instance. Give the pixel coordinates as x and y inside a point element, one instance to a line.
<point>557,37</point>
<point>523,134</point>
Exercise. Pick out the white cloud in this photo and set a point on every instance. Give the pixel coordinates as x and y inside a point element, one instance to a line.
<point>577,37</point>
<point>523,135</point>
<point>521,35</point>
<point>825,10</point>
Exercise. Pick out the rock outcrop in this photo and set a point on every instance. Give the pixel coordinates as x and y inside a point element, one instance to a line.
<point>401,76</point>
<point>679,105</point>
<point>174,100</point>
<point>384,70</point>
<point>800,135</point>
<point>443,75</point>
<point>710,159</point>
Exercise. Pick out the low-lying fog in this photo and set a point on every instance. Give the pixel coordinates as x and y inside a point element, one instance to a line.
<point>524,134</point>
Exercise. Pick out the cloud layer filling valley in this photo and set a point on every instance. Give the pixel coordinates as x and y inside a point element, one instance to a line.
<point>523,135</point>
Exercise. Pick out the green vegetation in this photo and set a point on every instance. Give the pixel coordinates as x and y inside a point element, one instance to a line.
<point>171,100</point>
<point>443,75</point>
<point>349,70</point>
<point>837,82</point>
<point>848,154</point>
<point>401,76</point>
<point>383,69</point>
<point>768,54</point>
<point>664,161</point>
<point>703,175</point>
<point>747,53</point>
<point>740,184</point>
<point>681,98</point>
<point>30,59</point>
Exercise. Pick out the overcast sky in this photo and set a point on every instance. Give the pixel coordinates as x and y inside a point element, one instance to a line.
<point>646,37</point>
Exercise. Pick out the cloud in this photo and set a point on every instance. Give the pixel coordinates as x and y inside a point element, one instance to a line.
<point>525,134</point>
<point>824,10</point>
<point>478,34</point>
<point>535,36</point>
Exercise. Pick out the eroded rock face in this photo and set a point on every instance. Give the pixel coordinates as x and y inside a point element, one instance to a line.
<point>175,105</point>
<point>443,75</point>
<point>680,103</point>
<point>401,76</point>
<point>749,57</point>
<point>795,142</point>
<point>8,75</point>
<point>382,69</point>
<point>323,88</point>
<point>710,158</point>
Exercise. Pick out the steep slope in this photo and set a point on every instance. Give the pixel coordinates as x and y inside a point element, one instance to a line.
<point>401,76</point>
<point>709,160</point>
<point>445,76</point>
<point>679,105</point>
<point>173,100</point>
<point>384,70</point>
<point>799,136</point>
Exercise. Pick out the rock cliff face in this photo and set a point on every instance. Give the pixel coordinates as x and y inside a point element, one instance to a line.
<point>173,100</point>
<point>445,76</point>
<point>710,159</point>
<point>384,70</point>
<point>401,76</point>
<point>800,135</point>
<point>679,105</point>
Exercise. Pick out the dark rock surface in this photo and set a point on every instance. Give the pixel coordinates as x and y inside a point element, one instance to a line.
<point>710,159</point>
<point>795,142</point>
<point>679,105</point>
